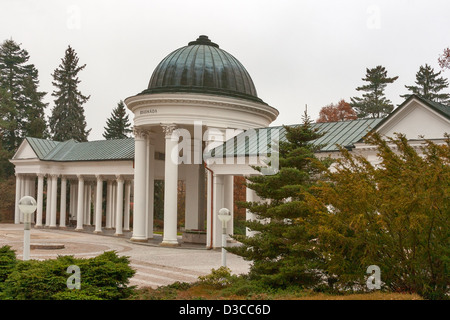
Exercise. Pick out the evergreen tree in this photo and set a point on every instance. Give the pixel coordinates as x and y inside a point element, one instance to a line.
<point>22,106</point>
<point>373,103</point>
<point>118,126</point>
<point>394,215</point>
<point>67,120</point>
<point>7,125</point>
<point>429,85</point>
<point>282,249</point>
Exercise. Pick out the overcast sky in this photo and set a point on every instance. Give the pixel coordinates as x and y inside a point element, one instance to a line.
<point>297,52</point>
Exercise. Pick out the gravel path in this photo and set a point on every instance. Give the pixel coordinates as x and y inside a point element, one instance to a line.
<point>154,265</point>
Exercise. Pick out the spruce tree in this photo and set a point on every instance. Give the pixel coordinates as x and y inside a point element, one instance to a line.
<point>7,112</point>
<point>67,120</point>
<point>118,126</point>
<point>282,250</point>
<point>429,85</point>
<point>373,103</point>
<point>23,108</point>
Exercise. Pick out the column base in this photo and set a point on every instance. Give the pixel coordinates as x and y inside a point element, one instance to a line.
<point>138,240</point>
<point>118,234</point>
<point>39,227</point>
<point>62,227</point>
<point>79,229</point>
<point>98,232</point>
<point>169,243</point>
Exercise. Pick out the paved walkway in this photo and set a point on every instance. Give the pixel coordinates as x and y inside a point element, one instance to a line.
<point>154,265</point>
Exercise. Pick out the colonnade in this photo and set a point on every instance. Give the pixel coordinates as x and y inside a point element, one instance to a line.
<point>82,196</point>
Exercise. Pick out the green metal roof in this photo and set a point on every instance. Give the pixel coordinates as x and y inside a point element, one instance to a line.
<point>255,142</point>
<point>248,143</point>
<point>71,150</point>
<point>41,146</point>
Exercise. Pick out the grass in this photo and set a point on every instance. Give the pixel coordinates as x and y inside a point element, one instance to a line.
<point>221,285</point>
<point>205,292</point>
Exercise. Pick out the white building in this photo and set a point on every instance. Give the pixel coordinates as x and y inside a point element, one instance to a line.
<point>200,120</point>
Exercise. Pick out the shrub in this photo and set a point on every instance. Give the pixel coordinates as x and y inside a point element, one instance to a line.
<point>103,277</point>
<point>218,278</point>
<point>7,262</point>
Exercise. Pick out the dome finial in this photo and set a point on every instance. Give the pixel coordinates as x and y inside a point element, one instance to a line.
<point>203,40</point>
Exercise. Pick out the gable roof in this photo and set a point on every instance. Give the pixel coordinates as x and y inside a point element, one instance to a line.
<point>71,150</point>
<point>440,108</point>
<point>344,133</point>
<point>41,147</point>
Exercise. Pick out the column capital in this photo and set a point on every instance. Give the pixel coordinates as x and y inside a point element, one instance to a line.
<point>140,133</point>
<point>63,178</point>
<point>99,177</point>
<point>119,178</point>
<point>80,177</point>
<point>40,175</point>
<point>168,129</point>
<point>54,175</point>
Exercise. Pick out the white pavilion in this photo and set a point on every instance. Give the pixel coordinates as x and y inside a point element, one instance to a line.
<point>199,121</point>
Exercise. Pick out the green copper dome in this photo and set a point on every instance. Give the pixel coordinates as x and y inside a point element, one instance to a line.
<point>202,67</point>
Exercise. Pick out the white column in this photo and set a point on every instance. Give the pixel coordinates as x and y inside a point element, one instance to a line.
<point>194,197</point>
<point>126,214</point>
<point>218,203</point>
<point>108,224</point>
<point>27,186</point>
<point>170,187</point>
<point>87,203</point>
<point>40,200</point>
<point>80,204</point>
<point>73,200</point>
<point>119,206</point>
<point>18,188</point>
<point>250,196</point>
<point>228,200</point>
<point>209,211</point>
<point>23,184</point>
<point>62,211</point>
<point>113,204</point>
<point>33,194</point>
<point>140,192</point>
<point>53,197</point>
<point>98,204</point>
<point>48,203</point>
<point>150,188</point>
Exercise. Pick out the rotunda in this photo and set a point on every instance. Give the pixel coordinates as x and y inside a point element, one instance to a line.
<point>198,97</point>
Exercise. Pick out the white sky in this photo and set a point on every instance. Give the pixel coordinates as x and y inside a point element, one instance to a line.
<point>297,52</point>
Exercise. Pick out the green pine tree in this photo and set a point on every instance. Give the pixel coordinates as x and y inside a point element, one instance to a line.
<point>67,120</point>
<point>24,111</point>
<point>7,125</point>
<point>282,250</point>
<point>373,103</point>
<point>429,85</point>
<point>118,126</point>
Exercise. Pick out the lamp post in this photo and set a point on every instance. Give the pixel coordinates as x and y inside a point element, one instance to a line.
<point>27,205</point>
<point>224,216</point>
